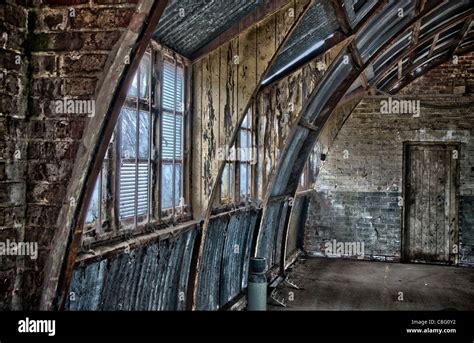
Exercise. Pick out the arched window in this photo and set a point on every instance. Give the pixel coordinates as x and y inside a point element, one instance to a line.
<point>141,184</point>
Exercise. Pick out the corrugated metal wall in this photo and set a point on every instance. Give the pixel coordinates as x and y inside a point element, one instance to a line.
<point>225,259</point>
<point>150,278</point>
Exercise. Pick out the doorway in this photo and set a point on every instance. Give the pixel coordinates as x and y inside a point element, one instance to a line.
<point>430,233</point>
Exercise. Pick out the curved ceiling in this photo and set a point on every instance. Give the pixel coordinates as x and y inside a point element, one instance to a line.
<point>395,43</point>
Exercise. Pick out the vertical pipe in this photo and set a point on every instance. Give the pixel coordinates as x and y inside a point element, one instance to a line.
<point>257,285</point>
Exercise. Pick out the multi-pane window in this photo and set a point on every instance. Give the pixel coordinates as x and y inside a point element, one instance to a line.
<point>172,120</point>
<point>134,144</point>
<point>142,177</point>
<point>236,183</point>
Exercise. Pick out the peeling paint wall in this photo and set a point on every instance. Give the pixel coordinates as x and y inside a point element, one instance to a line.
<point>223,82</point>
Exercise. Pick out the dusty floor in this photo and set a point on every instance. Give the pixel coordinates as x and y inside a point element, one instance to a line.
<point>335,284</point>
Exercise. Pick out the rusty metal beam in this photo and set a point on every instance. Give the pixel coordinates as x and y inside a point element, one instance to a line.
<point>194,275</point>
<point>464,31</point>
<point>433,45</point>
<point>58,276</point>
<point>416,30</point>
<point>321,117</point>
<point>410,78</point>
<point>433,35</point>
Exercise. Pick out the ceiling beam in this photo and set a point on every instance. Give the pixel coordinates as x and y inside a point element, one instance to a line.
<point>416,30</point>
<point>433,45</point>
<point>410,78</point>
<point>344,23</point>
<point>451,23</point>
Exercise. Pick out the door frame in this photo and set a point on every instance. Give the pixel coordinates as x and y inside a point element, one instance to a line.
<point>404,226</point>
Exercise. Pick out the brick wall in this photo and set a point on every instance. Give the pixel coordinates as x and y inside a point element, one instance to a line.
<point>13,142</point>
<point>64,49</point>
<point>359,185</point>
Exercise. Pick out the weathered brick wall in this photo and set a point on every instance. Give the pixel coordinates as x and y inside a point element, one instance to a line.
<point>65,49</point>
<point>359,185</point>
<point>13,142</point>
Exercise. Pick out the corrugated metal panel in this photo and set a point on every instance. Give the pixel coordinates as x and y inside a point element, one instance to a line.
<point>224,267</point>
<point>152,278</point>
<point>296,225</point>
<point>318,24</point>
<point>269,232</point>
<point>188,25</point>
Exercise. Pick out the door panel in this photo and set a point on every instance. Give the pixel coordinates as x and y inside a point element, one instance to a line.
<point>431,231</point>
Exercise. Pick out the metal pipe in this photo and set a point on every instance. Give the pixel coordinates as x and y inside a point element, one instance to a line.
<point>257,285</point>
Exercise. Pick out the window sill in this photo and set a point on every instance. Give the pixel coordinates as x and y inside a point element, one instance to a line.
<point>121,244</point>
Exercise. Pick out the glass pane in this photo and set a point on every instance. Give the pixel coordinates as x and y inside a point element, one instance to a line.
<point>145,66</point>
<point>133,90</point>
<point>129,133</point>
<point>144,143</point>
<point>128,193</point>
<point>225,182</point>
<point>94,207</point>
<point>179,138</point>
<point>166,186</point>
<point>244,153</point>
<point>245,122</point>
<point>169,98</point>
<point>243,180</point>
<point>232,181</point>
<point>177,183</point>
<point>180,90</point>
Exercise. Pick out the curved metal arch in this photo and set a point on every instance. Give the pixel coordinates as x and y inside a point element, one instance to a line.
<point>90,156</point>
<point>317,110</point>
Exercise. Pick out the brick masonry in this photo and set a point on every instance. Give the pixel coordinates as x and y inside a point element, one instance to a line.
<point>49,50</point>
<point>360,182</point>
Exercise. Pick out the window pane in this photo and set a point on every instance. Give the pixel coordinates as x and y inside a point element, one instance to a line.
<point>128,194</point>
<point>145,66</point>
<point>177,183</point>
<point>172,97</point>
<point>129,133</point>
<point>166,186</point>
<point>225,182</point>
<point>244,153</point>
<point>169,134</point>
<point>94,207</point>
<point>144,143</point>
<point>243,180</point>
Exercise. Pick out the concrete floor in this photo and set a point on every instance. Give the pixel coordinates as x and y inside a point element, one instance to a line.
<point>336,284</point>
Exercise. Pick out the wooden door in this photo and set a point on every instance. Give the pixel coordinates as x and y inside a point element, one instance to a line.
<point>431,216</point>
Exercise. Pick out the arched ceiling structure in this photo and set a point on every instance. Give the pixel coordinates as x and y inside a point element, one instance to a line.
<point>397,42</point>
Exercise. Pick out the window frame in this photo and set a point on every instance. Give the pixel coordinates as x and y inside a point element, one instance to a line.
<point>234,189</point>
<point>110,226</point>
